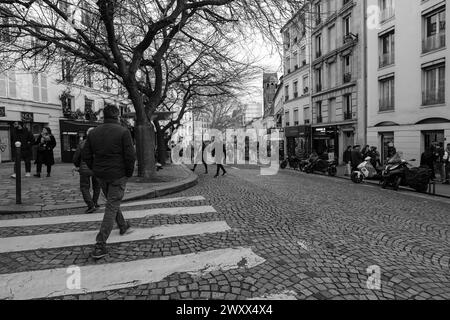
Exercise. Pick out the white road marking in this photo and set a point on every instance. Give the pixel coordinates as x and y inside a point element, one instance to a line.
<point>70,239</point>
<point>235,168</point>
<point>99,216</point>
<point>114,276</point>
<point>286,295</point>
<point>159,201</point>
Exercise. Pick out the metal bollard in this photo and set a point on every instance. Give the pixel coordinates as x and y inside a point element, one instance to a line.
<point>18,173</point>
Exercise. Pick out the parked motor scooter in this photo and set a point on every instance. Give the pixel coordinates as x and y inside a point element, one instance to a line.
<point>323,166</point>
<point>398,172</point>
<point>365,171</point>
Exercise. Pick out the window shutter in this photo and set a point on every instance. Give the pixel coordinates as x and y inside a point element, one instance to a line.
<point>44,91</point>
<point>2,85</point>
<point>36,96</point>
<point>12,84</point>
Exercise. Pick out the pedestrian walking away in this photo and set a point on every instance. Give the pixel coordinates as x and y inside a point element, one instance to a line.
<point>110,154</point>
<point>220,157</point>
<point>46,142</point>
<point>203,159</point>
<point>87,178</point>
<point>22,135</point>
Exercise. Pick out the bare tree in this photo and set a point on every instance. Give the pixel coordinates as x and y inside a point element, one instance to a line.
<point>129,40</point>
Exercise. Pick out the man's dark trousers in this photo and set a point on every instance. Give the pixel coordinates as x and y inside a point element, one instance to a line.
<point>114,192</point>
<point>85,187</point>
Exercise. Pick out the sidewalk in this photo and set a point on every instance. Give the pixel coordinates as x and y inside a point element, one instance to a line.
<point>62,191</point>
<point>442,190</point>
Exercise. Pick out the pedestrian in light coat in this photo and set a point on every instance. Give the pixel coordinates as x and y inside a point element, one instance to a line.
<point>110,154</point>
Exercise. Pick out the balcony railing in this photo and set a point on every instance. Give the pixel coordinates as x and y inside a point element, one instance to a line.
<point>286,98</point>
<point>348,116</point>
<point>307,121</point>
<point>319,119</point>
<point>295,94</point>
<point>318,21</point>
<point>347,77</point>
<point>305,90</point>
<point>387,59</point>
<point>387,104</point>
<point>431,98</point>
<point>387,13</point>
<point>434,42</point>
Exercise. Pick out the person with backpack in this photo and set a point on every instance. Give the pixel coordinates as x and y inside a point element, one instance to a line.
<point>87,178</point>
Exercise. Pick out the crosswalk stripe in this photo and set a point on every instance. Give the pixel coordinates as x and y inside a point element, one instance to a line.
<point>99,216</point>
<point>160,201</point>
<point>115,276</point>
<point>70,239</point>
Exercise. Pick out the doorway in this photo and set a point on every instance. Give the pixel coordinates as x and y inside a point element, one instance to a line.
<point>433,138</point>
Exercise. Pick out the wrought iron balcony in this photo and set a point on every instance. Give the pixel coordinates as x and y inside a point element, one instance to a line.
<point>347,77</point>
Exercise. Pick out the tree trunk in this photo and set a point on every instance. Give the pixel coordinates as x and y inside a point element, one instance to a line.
<point>161,143</point>
<point>145,150</point>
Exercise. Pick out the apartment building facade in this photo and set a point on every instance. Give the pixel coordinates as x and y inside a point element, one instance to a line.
<point>295,88</point>
<point>338,75</point>
<point>408,78</point>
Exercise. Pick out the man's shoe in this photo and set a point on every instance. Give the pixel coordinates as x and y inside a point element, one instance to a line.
<point>126,231</point>
<point>37,175</point>
<point>13,176</point>
<point>224,174</point>
<point>27,174</point>
<point>100,251</point>
<point>48,175</point>
<point>96,206</point>
<point>216,176</point>
<point>90,210</point>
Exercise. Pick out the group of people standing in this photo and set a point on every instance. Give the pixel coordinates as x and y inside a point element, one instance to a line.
<point>45,143</point>
<point>354,156</point>
<point>437,158</point>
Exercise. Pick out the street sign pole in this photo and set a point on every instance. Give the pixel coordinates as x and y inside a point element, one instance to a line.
<point>18,173</point>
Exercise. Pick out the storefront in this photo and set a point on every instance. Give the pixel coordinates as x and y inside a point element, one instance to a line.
<point>326,141</point>
<point>72,132</point>
<point>298,140</point>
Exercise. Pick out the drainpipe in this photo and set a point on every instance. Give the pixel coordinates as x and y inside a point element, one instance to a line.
<point>365,71</point>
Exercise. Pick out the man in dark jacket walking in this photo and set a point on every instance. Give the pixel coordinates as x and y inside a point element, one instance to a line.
<point>203,159</point>
<point>357,157</point>
<point>110,154</point>
<point>87,178</point>
<point>21,134</point>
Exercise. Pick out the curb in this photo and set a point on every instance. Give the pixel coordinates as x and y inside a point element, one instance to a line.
<point>376,184</point>
<point>169,188</point>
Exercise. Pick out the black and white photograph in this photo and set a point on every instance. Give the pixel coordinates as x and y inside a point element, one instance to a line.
<point>224,158</point>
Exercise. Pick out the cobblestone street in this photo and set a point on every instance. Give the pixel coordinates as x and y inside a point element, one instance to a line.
<point>241,236</point>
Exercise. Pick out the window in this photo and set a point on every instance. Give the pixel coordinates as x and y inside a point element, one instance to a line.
<point>287,65</point>
<point>332,75</point>
<point>286,92</point>
<point>295,89</point>
<point>295,60</point>
<point>86,14</point>
<point>286,118</point>
<point>67,71</point>
<point>40,92</point>
<point>332,110</point>
<point>88,79</point>
<point>434,85</point>
<point>107,85</point>
<point>318,46</point>
<point>63,6</point>
<point>347,107</point>
<point>387,9</point>
<point>332,38</point>
<point>296,118</point>
<point>347,26</point>
<point>434,31</point>
<point>387,94</point>
<point>347,68</point>
<point>44,88</point>
<point>319,111</point>
<point>68,104</point>
<point>387,49</point>
<point>36,89</point>
<point>318,12</point>
<point>319,79</point>
<point>12,89</point>
<point>303,56</point>
<point>3,85</point>
<point>5,33</point>
<point>305,84</point>
<point>306,115</point>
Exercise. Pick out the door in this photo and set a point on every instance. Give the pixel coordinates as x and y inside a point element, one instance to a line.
<point>387,139</point>
<point>5,143</point>
<point>433,138</point>
<point>348,141</point>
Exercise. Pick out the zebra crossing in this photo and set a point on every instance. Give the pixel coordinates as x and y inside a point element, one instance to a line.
<point>102,276</point>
